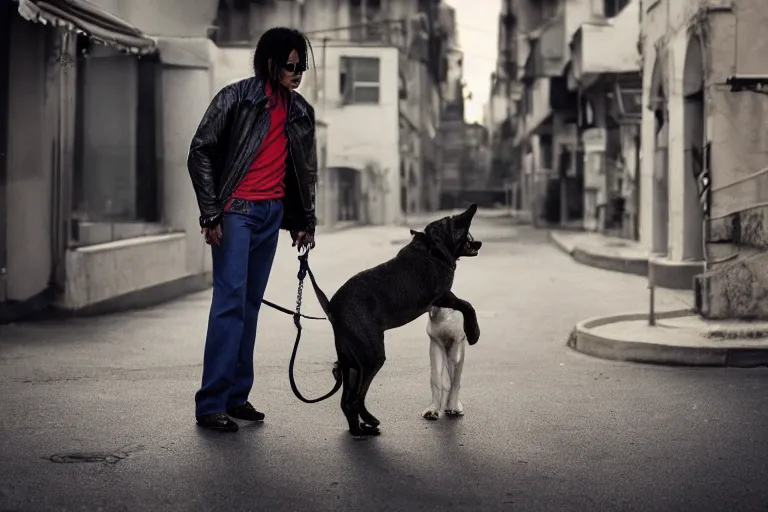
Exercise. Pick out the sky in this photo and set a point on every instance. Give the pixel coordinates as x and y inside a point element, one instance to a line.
<point>478,25</point>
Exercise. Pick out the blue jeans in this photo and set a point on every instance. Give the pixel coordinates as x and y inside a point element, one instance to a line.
<point>241,267</point>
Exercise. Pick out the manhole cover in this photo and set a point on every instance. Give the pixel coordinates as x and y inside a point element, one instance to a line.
<point>92,457</point>
<point>84,458</point>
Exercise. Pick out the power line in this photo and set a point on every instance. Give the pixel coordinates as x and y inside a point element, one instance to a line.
<point>352,27</point>
<point>485,31</point>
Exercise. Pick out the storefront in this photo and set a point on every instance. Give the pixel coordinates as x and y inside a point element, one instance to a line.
<point>43,93</point>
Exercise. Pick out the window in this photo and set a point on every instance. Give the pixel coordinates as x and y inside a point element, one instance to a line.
<point>545,145</point>
<point>233,23</point>
<point>115,174</point>
<point>359,80</point>
<point>612,8</point>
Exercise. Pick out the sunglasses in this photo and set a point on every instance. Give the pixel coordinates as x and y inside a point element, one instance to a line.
<point>294,67</point>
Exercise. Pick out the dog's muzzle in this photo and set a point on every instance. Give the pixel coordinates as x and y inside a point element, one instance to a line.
<point>471,247</point>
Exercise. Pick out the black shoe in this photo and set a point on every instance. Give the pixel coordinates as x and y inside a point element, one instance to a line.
<point>217,421</point>
<point>245,412</point>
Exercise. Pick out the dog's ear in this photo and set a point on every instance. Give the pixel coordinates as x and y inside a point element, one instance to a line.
<point>465,218</point>
<point>414,233</point>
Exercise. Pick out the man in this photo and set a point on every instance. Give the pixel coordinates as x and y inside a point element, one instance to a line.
<point>253,167</point>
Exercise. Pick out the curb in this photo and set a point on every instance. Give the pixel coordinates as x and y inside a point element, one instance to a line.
<point>635,266</point>
<point>559,244</point>
<point>582,339</point>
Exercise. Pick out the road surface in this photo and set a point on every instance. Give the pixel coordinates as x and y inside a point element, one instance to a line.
<point>98,413</point>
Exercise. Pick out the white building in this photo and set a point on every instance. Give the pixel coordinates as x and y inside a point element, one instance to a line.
<point>358,98</point>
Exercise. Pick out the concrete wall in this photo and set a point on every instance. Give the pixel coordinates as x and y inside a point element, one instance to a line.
<point>230,65</point>
<point>30,147</point>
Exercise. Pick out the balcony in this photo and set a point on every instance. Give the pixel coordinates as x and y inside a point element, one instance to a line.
<point>607,47</point>
<point>547,56</point>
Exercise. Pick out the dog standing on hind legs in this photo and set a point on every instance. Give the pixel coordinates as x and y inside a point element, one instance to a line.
<point>447,342</point>
<point>391,295</point>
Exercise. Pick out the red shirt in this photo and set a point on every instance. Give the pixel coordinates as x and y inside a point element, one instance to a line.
<point>265,178</point>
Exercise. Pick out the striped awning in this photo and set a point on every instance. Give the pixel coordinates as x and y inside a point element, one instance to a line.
<point>85,18</point>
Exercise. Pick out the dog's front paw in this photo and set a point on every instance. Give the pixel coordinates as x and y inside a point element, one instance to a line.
<point>430,413</point>
<point>455,412</point>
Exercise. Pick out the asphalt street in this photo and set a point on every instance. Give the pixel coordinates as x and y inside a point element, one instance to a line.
<point>98,413</point>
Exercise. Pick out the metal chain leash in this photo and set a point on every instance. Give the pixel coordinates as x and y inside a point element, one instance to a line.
<point>298,296</point>
<point>303,265</point>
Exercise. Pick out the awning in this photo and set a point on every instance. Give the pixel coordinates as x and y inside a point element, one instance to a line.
<point>85,18</point>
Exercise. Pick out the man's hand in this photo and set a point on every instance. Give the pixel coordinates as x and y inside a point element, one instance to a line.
<point>212,235</point>
<point>304,239</point>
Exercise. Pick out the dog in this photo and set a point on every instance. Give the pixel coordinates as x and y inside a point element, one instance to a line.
<point>447,342</point>
<point>390,295</point>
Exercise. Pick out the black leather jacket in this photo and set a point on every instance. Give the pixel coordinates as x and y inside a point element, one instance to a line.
<point>226,141</point>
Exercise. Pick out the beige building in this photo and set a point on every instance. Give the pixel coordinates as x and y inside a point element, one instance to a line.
<point>704,166</point>
<point>96,206</point>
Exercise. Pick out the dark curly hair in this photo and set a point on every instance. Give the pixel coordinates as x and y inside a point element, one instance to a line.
<point>276,44</point>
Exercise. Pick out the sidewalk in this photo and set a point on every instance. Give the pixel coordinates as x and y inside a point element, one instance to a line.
<point>608,253</point>
<point>628,256</point>
<point>678,338</point>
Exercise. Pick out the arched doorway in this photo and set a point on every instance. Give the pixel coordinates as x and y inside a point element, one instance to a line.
<point>659,106</point>
<point>694,120</point>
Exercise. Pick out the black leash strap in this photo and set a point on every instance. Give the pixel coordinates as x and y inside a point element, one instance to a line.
<point>303,271</point>
<point>289,312</point>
